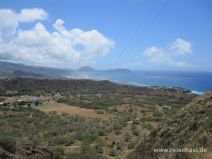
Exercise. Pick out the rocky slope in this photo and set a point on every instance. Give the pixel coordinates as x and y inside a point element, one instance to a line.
<point>191,127</point>
<point>26,152</point>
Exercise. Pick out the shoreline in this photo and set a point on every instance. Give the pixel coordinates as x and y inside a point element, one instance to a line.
<point>140,85</point>
<point>155,86</point>
<point>134,84</point>
<point>196,82</point>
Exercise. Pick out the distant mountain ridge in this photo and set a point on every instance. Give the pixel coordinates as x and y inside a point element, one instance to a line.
<point>9,69</point>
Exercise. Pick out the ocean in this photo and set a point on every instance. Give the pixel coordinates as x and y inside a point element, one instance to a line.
<point>197,82</point>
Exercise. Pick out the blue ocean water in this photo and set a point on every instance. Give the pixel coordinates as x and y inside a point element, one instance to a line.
<point>195,81</point>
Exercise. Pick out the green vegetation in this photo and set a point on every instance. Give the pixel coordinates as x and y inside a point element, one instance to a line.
<point>89,102</point>
<point>124,115</point>
<point>190,127</point>
<point>29,126</point>
<point>113,152</point>
<point>8,143</point>
<point>131,145</point>
<point>58,152</point>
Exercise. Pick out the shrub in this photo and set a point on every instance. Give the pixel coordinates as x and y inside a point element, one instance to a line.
<point>113,152</point>
<point>136,122</point>
<point>69,141</point>
<point>209,123</point>
<point>8,143</point>
<point>101,132</point>
<point>99,145</point>
<point>147,126</point>
<point>58,152</point>
<point>157,114</point>
<point>131,145</point>
<point>117,132</point>
<point>193,126</point>
<point>127,137</point>
<point>58,140</point>
<point>100,112</point>
<point>135,132</point>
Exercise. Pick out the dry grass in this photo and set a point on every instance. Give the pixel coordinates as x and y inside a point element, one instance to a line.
<point>73,110</point>
<point>127,107</point>
<point>73,149</point>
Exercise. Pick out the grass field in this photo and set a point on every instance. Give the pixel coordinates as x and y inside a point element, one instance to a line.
<point>72,110</point>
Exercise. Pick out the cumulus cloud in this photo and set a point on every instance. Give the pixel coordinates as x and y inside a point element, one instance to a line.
<point>159,57</point>
<point>10,19</point>
<point>30,15</point>
<point>40,46</point>
<point>164,56</point>
<point>156,55</point>
<point>181,46</point>
<point>8,24</point>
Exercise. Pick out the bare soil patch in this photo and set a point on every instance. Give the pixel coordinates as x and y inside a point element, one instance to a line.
<point>73,110</point>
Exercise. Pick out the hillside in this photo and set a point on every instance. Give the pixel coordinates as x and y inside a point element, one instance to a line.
<point>8,69</point>
<point>191,127</point>
<point>89,88</point>
<point>73,119</point>
<point>83,119</point>
<point>11,70</point>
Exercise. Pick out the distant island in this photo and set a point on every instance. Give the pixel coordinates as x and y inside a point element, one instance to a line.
<point>90,69</point>
<point>86,69</point>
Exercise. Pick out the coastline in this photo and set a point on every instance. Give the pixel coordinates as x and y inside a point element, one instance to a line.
<point>170,87</point>
<point>135,84</point>
<point>140,84</point>
<point>143,85</point>
<point>191,81</point>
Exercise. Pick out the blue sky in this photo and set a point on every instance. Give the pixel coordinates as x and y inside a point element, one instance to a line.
<point>135,34</point>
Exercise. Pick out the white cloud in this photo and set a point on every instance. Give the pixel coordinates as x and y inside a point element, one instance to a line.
<point>159,57</point>
<point>165,57</point>
<point>181,46</point>
<point>8,20</point>
<point>40,46</point>
<point>30,15</point>
<point>156,55</point>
